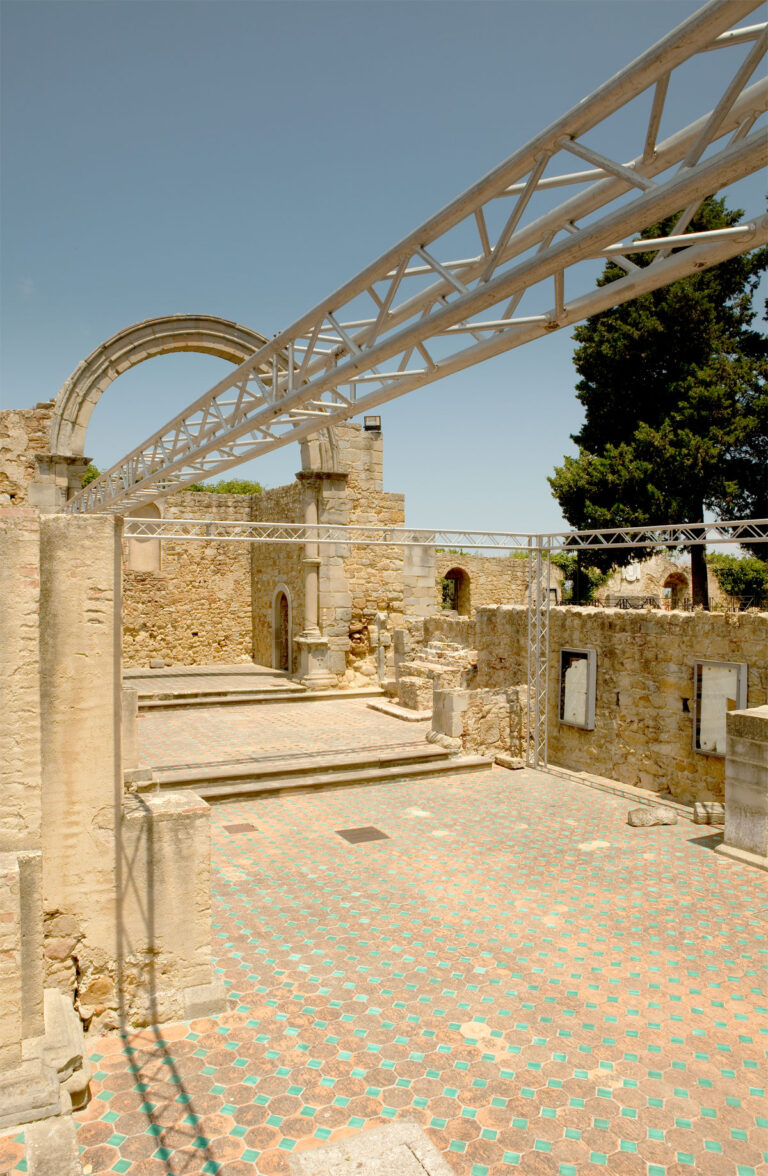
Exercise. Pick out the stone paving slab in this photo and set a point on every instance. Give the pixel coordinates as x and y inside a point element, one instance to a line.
<point>543,989</point>
<point>215,735</point>
<point>399,1149</point>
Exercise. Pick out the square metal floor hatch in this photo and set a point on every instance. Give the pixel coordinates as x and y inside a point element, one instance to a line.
<point>364,833</point>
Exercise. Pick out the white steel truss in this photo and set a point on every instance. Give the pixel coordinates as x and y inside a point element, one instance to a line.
<point>421,311</point>
<point>668,535</point>
<point>538,547</point>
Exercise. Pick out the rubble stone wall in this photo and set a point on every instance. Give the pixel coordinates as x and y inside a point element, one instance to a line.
<point>644,711</point>
<point>274,565</point>
<point>492,579</point>
<point>196,609</point>
<point>23,433</point>
<point>647,578</point>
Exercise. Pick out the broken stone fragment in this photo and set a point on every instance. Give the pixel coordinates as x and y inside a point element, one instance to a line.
<point>657,814</point>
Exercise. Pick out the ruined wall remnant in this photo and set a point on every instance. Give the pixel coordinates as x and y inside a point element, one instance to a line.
<point>196,608</point>
<point>645,695</point>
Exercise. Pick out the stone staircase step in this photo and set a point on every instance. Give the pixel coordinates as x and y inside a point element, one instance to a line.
<point>241,790</point>
<point>166,700</point>
<point>331,761</point>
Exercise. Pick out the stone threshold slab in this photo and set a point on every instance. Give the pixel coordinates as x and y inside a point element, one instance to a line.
<point>401,712</point>
<point>397,1149</point>
<point>168,700</point>
<point>640,796</point>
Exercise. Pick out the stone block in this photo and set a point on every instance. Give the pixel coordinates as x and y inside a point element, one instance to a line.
<point>708,812</point>
<point>746,784</point>
<point>52,1148</point>
<point>645,816</point>
<point>28,1092</point>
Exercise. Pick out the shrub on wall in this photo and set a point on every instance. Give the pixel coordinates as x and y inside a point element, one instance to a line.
<point>744,576</point>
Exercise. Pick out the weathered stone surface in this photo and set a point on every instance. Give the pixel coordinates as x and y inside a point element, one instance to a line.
<point>709,812</point>
<point>397,1149</point>
<point>52,1148</point>
<point>644,816</point>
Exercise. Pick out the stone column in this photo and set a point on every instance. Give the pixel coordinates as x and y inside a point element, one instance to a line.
<point>313,669</point>
<point>746,787</point>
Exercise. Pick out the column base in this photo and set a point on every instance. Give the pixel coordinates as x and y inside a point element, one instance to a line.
<point>313,669</point>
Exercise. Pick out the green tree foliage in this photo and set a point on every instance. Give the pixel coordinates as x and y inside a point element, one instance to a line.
<point>233,486</point>
<point>745,577</point>
<point>580,581</point>
<point>675,391</point>
<point>90,475</point>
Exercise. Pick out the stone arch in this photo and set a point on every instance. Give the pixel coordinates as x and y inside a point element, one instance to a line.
<point>676,590</point>
<point>456,591</point>
<point>282,629</point>
<point>79,395</point>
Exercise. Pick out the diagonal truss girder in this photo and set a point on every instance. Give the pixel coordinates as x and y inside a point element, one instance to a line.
<point>420,312</point>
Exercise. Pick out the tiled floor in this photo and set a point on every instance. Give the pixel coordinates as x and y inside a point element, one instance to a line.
<point>543,988</point>
<point>210,735</point>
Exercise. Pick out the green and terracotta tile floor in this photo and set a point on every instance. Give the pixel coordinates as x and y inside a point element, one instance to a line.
<point>544,989</point>
<point>217,735</point>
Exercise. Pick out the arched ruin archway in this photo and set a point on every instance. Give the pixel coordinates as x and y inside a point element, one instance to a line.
<point>456,591</point>
<point>676,590</point>
<point>79,395</point>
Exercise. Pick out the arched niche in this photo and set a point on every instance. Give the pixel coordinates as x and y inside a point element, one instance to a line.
<point>144,554</point>
<point>456,591</point>
<point>282,629</point>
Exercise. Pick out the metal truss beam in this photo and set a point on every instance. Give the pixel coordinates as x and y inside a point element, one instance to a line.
<point>420,312</point>
<point>650,538</point>
<point>537,547</point>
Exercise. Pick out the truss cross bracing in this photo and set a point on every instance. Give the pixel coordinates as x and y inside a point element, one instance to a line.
<point>498,266</point>
<point>537,547</point>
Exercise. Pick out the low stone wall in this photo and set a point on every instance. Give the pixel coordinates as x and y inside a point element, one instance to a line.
<point>644,712</point>
<point>481,722</point>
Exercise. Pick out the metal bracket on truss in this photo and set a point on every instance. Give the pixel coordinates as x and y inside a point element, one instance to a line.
<point>449,294</point>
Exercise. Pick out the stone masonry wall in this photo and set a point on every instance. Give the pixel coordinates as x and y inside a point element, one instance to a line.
<point>196,609</point>
<point>274,564</point>
<point>644,701</point>
<point>647,578</point>
<point>492,580</point>
<point>23,433</point>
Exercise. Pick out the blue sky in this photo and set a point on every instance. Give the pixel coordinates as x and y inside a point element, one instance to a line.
<point>244,159</point>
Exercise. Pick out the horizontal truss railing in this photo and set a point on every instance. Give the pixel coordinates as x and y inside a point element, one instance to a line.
<point>669,535</point>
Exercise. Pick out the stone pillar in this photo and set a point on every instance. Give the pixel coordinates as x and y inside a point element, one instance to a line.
<point>20,770</point>
<point>59,476</point>
<point>419,572</point>
<point>312,647</point>
<point>746,787</point>
<point>20,813</point>
<point>80,577</point>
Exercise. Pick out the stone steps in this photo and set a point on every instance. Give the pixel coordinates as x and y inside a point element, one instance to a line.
<point>331,770</point>
<point>166,700</point>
